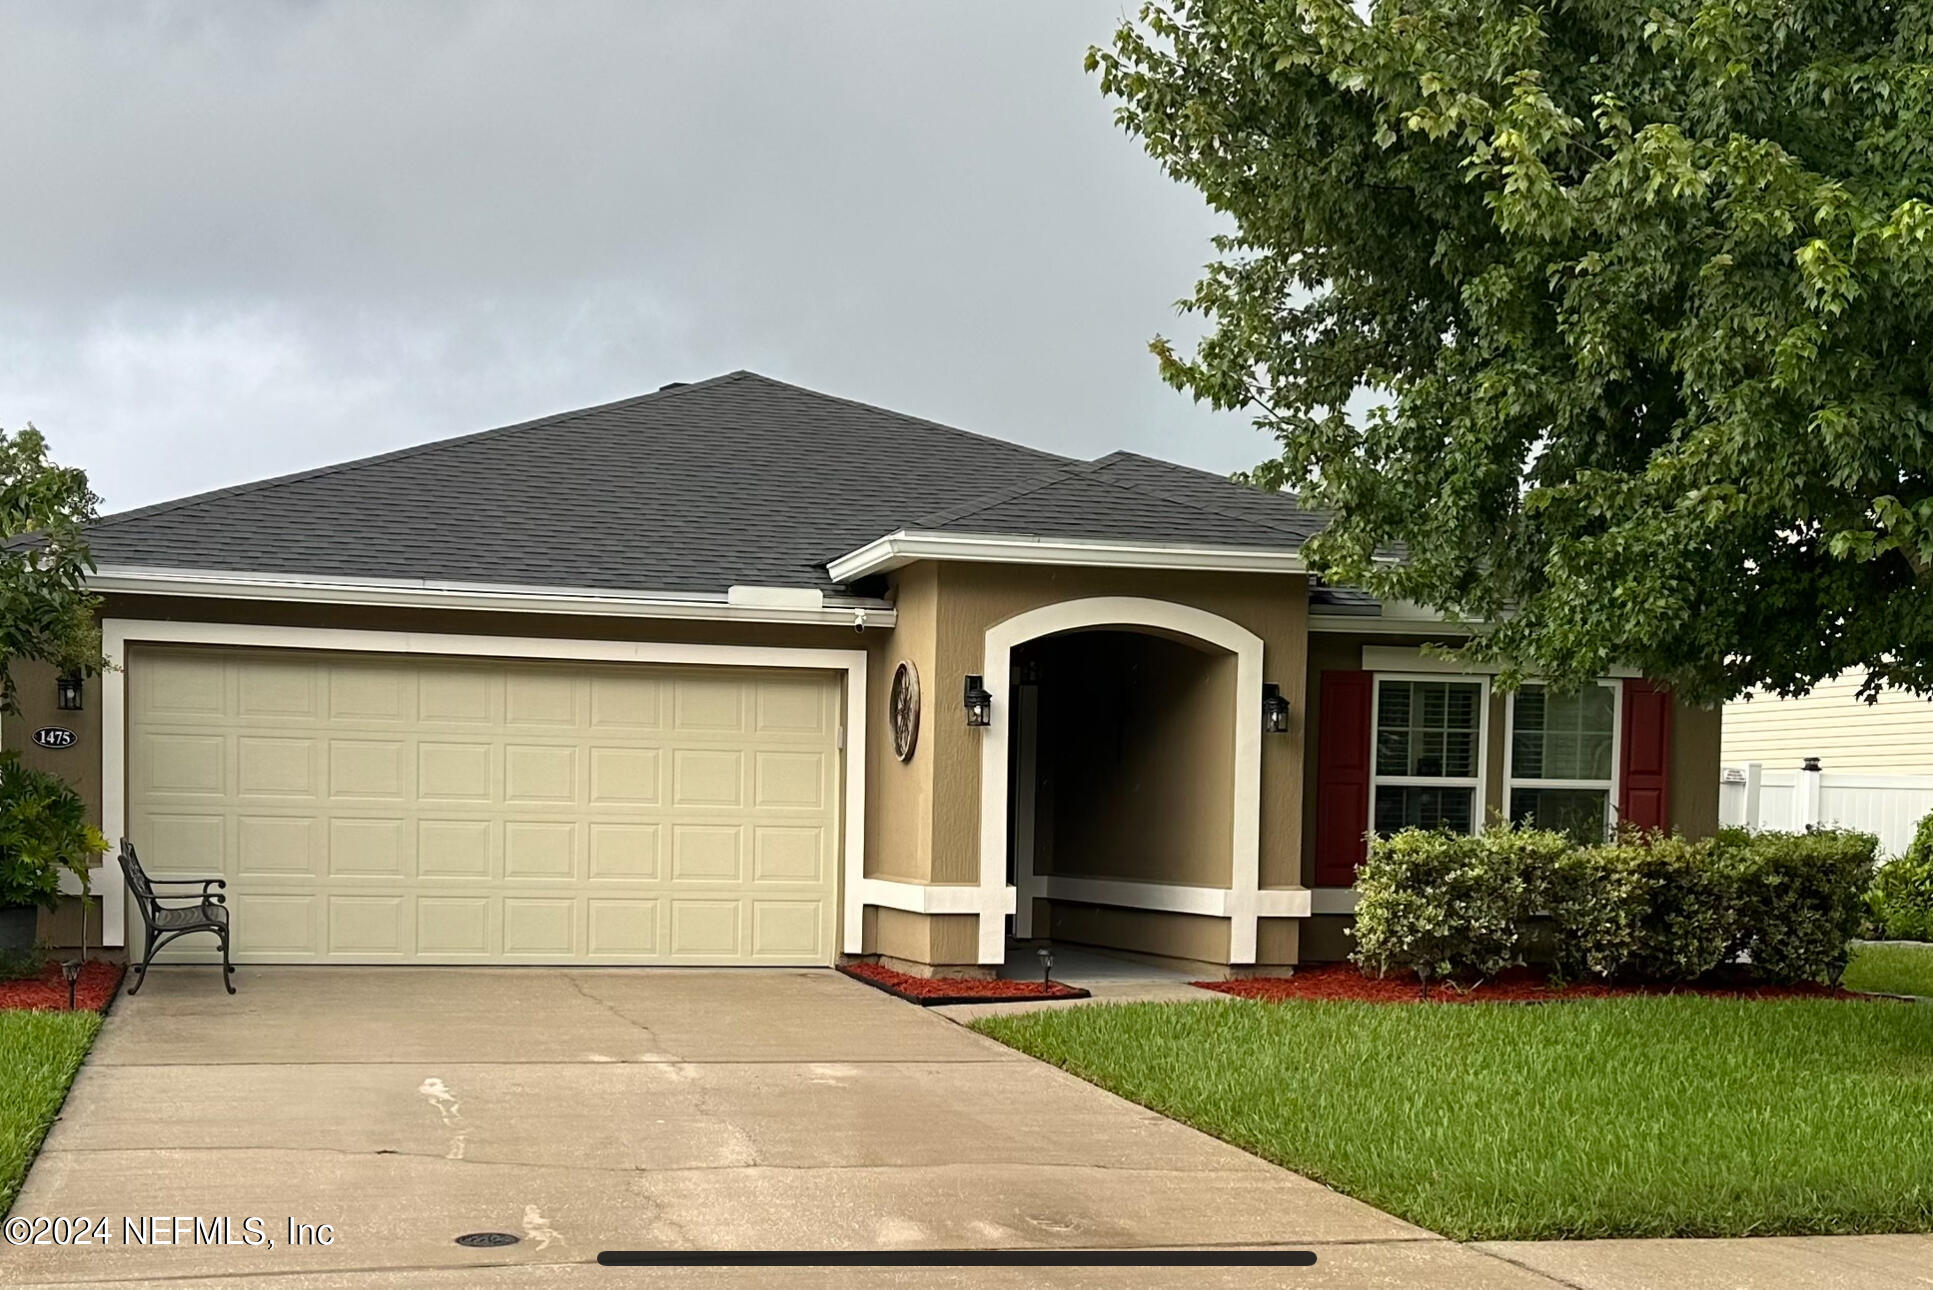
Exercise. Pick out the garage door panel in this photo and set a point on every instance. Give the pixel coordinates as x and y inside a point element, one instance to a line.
<point>541,849</point>
<point>369,768</point>
<point>540,774</point>
<point>790,854</point>
<point>270,846</point>
<point>624,851</point>
<point>168,763</point>
<point>456,849</point>
<point>267,927</point>
<point>786,929</point>
<point>626,776</point>
<point>278,688</point>
<point>365,696</point>
<point>455,927</point>
<point>366,848</point>
<point>454,696</point>
<point>708,777</point>
<point>415,809</point>
<point>454,772</point>
<point>708,705</point>
<point>271,766</point>
<point>627,703</point>
<point>539,927</point>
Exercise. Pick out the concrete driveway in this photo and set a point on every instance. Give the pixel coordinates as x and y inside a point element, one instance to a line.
<point>594,1109</point>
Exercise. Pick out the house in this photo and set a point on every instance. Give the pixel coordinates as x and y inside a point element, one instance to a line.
<point>740,673</point>
<point>1830,758</point>
<point>1891,736</point>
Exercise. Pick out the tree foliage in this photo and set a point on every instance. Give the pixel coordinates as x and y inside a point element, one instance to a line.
<point>46,612</point>
<point>1645,293</point>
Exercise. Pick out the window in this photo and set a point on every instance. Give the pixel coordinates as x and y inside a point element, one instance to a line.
<point>1562,759</point>
<point>1429,754</point>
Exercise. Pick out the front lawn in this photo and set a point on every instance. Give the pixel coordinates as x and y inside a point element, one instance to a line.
<point>39,1053</point>
<point>1632,1117</point>
<point>1892,967</point>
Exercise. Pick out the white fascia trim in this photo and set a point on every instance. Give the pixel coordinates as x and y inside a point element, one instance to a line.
<point>740,604</point>
<point>1125,611</point>
<point>117,634</point>
<point>901,548</point>
<point>1409,658</point>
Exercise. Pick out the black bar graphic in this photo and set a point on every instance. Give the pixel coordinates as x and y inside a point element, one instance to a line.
<point>957,1258</point>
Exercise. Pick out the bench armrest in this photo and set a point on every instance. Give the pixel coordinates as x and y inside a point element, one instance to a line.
<point>204,883</point>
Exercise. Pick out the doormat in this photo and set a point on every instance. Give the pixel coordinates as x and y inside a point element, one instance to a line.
<point>934,991</point>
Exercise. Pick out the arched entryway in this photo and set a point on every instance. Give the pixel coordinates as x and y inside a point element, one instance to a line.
<point>1122,769</point>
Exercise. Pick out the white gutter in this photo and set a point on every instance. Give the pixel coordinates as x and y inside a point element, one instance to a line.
<point>901,548</point>
<point>801,605</point>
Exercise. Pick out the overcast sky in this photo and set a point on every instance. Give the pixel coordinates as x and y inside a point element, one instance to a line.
<point>241,239</point>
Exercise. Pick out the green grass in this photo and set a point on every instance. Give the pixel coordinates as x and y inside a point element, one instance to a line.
<point>39,1053</point>
<point>1892,968</point>
<point>1638,1117</point>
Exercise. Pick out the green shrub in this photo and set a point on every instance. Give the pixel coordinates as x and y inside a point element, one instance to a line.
<point>1443,904</point>
<point>1644,906</point>
<point>1654,906</point>
<point>1899,904</point>
<point>1799,900</point>
<point>43,833</point>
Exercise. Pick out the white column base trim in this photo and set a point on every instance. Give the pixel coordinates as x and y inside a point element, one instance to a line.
<point>1175,898</point>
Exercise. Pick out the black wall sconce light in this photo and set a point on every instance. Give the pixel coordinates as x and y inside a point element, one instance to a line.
<point>1275,709</point>
<point>67,692</point>
<point>979,704</point>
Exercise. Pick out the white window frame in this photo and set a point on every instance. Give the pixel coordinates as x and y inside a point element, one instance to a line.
<point>1610,786</point>
<point>1475,782</point>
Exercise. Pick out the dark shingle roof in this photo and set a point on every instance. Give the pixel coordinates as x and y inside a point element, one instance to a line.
<point>736,480</point>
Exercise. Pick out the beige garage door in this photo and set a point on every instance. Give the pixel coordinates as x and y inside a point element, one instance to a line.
<point>377,809</point>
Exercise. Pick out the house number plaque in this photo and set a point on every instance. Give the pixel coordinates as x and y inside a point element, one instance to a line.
<point>55,737</point>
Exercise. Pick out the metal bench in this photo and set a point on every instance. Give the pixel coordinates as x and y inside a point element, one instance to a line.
<point>165,923</point>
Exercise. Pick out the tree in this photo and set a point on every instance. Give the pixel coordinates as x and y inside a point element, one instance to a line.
<point>1643,291</point>
<point>46,612</point>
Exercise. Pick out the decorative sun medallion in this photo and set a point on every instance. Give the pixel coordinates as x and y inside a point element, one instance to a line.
<point>904,706</point>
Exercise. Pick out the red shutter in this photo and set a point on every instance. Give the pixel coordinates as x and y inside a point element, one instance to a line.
<point>1644,778</point>
<point>1342,777</point>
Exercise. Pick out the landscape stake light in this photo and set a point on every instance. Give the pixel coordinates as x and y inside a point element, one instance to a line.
<point>1275,709</point>
<point>1046,966</point>
<point>979,704</point>
<point>70,969</point>
<point>67,692</point>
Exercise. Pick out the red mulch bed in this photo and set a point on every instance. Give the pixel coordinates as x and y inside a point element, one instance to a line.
<point>931,991</point>
<point>48,991</point>
<point>1345,982</point>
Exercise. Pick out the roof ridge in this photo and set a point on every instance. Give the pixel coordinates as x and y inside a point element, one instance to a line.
<point>396,454</point>
<point>1048,478</point>
<point>1092,470</point>
<point>928,422</point>
<point>1201,506</point>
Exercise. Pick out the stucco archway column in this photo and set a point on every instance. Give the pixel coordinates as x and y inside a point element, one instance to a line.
<point>1239,901</point>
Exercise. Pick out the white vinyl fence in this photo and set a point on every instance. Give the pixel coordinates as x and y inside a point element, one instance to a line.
<point>1890,806</point>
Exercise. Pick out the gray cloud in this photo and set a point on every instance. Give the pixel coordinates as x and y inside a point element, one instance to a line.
<point>246,238</point>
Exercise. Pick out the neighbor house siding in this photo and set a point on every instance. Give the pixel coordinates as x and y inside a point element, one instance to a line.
<point>1891,737</point>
